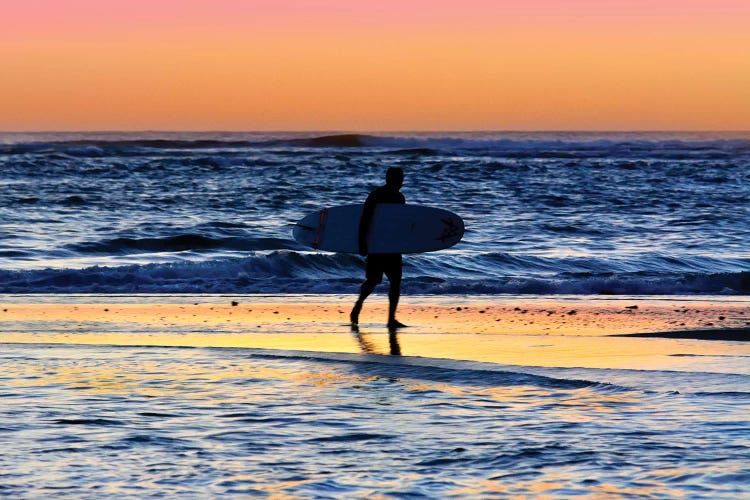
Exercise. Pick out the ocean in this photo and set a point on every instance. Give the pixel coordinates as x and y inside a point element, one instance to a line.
<point>125,372</point>
<point>546,213</point>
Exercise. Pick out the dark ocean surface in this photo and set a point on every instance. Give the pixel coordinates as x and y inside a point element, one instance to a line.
<point>546,213</point>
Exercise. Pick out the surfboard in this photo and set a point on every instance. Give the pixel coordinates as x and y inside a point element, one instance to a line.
<point>395,228</point>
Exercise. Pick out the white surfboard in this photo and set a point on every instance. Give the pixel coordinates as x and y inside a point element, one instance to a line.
<point>395,228</point>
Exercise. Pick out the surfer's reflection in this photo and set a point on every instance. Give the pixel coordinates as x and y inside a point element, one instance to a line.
<point>393,342</point>
<point>368,347</point>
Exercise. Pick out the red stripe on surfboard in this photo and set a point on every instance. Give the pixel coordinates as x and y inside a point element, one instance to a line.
<point>321,223</point>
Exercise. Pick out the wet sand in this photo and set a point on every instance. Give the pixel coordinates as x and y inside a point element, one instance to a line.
<point>592,333</point>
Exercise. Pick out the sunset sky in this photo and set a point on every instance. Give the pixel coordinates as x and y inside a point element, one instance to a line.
<point>370,65</point>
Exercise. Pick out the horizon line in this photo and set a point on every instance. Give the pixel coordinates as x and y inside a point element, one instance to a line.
<point>362,131</point>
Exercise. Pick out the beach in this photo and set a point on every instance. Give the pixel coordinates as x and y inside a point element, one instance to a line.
<point>571,332</point>
<point>280,396</point>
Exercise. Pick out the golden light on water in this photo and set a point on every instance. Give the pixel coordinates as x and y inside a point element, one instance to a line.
<point>539,333</point>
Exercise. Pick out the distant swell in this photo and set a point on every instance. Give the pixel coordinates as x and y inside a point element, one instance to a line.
<point>96,148</point>
<point>597,146</point>
<point>333,141</point>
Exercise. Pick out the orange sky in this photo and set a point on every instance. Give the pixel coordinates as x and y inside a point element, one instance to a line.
<point>375,65</point>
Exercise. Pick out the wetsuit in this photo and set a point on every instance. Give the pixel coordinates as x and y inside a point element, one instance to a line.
<point>379,263</point>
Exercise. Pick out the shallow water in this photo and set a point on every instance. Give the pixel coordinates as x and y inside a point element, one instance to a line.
<point>580,213</point>
<point>87,421</point>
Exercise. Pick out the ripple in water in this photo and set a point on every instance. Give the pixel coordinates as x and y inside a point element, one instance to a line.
<point>87,421</point>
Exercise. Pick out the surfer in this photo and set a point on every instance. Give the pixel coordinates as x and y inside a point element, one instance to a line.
<point>381,263</point>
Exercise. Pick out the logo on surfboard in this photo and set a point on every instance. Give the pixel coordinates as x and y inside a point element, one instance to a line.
<point>450,230</point>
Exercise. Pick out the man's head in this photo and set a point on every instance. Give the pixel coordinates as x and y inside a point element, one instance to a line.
<point>394,177</point>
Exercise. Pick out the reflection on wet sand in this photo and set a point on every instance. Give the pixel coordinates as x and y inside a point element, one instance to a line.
<point>521,332</point>
<point>368,347</point>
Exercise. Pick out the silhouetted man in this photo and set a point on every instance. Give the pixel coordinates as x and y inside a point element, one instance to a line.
<point>381,263</point>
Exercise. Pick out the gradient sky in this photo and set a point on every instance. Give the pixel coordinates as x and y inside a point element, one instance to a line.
<point>374,65</point>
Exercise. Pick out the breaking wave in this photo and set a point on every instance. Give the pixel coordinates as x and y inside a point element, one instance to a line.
<point>299,272</point>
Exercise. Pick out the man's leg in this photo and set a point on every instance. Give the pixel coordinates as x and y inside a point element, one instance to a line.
<point>367,287</point>
<point>374,275</point>
<point>393,272</point>
<point>394,293</point>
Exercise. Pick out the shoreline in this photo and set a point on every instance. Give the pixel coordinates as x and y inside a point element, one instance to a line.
<point>561,315</point>
<point>582,332</point>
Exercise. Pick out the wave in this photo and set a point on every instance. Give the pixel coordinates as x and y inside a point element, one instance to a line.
<point>180,243</point>
<point>655,383</point>
<point>95,148</point>
<point>574,267</point>
<point>624,284</point>
<point>330,141</point>
<point>511,145</point>
<point>436,369</point>
<point>288,271</point>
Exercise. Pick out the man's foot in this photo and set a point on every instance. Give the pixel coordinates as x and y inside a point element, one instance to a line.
<point>354,315</point>
<point>395,324</point>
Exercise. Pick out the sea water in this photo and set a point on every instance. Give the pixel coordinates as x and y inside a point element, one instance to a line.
<point>546,213</point>
<point>140,422</point>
